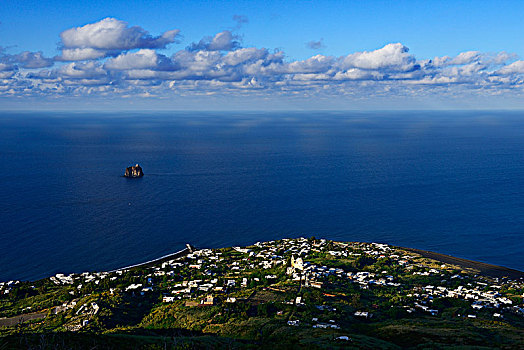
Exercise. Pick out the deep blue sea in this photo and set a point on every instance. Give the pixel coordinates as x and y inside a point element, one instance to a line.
<point>451,182</point>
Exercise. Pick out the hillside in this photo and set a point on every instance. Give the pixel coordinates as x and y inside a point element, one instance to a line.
<point>291,293</point>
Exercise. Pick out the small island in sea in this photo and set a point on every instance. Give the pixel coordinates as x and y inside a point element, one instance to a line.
<point>134,171</point>
<point>290,293</point>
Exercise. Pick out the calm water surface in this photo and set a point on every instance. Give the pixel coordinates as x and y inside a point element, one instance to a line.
<point>451,182</point>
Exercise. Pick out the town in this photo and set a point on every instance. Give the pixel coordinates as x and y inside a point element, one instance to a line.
<point>308,292</point>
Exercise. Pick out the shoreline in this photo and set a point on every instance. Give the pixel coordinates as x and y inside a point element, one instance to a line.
<point>188,249</point>
<point>484,268</point>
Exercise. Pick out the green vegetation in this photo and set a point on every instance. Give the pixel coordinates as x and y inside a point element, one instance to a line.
<point>301,293</point>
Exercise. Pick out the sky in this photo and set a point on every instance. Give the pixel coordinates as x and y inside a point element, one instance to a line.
<point>261,54</point>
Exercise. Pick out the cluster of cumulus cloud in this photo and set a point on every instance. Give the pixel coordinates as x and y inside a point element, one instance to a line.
<point>110,57</point>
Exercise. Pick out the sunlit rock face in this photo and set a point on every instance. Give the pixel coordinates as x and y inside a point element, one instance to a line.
<point>134,171</point>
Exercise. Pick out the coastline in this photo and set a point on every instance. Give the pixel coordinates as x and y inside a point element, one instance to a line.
<point>484,268</point>
<point>188,249</point>
<point>490,270</point>
<point>314,291</point>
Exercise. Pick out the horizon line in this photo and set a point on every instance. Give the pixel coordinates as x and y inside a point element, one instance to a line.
<point>263,110</point>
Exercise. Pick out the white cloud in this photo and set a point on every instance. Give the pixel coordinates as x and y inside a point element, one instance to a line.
<point>28,59</point>
<point>7,71</point>
<point>239,56</point>
<point>81,54</point>
<point>515,67</point>
<point>4,67</point>
<point>223,41</point>
<point>472,68</point>
<point>110,57</point>
<point>466,58</point>
<point>200,61</point>
<point>358,74</point>
<point>315,64</point>
<point>113,34</point>
<point>391,56</point>
<point>142,59</point>
<point>110,35</point>
<point>79,70</point>
<point>141,74</point>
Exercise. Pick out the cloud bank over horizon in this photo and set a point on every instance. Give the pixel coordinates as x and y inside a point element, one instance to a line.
<point>112,59</point>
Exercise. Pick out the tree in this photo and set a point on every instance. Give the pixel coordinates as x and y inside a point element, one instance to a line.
<point>355,301</point>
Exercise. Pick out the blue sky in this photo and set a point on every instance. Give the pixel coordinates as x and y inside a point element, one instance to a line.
<point>367,54</point>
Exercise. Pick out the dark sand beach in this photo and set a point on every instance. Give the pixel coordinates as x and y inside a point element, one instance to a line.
<point>483,268</point>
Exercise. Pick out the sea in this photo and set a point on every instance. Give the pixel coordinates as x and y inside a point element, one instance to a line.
<point>446,181</point>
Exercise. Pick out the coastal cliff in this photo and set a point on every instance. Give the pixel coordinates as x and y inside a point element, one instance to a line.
<point>134,171</point>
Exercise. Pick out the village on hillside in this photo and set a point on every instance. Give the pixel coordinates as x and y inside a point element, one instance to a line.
<point>316,292</point>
